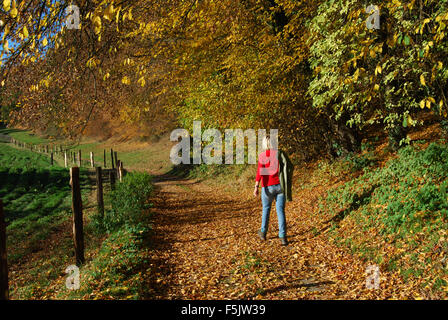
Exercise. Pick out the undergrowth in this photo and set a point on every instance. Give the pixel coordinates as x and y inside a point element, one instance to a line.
<point>116,271</point>
<point>405,203</point>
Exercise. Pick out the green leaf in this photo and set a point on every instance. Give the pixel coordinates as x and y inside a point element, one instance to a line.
<point>421,53</point>
<point>407,40</point>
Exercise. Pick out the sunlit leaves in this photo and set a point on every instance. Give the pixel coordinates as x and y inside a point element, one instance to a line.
<point>14,10</point>
<point>126,80</point>
<point>378,70</point>
<point>25,32</point>
<point>141,81</point>
<point>6,5</point>
<point>108,13</point>
<point>410,71</point>
<point>422,80</point>
<point>97,24</point>
<point>208,58</point>
<point>427,102</point>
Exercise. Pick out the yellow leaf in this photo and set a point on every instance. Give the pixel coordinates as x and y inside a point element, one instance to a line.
<point>126,80</point>
<point>14,12</point>
<point>141,81</point>
<point>25,32</point>
<point>109,12</point>
<point>97,24</point>
<point>91,63</point>
<point>378,70</point>
<point>356,75</point>
<point>44,42</point>
<point>6,5</point>
<point>376,87</point>
<point>422,80</point>
<point>117,16</point>
<point>422,104</point>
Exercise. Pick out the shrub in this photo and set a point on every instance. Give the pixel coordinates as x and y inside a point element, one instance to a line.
<point>128,201</point>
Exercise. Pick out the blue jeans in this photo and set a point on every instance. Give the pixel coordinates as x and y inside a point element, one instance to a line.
<point>268,194</point>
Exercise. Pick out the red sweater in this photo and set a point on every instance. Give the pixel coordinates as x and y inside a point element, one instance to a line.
<point>267,173</point>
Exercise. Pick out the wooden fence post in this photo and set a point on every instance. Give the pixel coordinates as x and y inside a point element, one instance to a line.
<point>78,233</point>
<point>112,158</point>
<point>116,159</point>
<point>4,284</point>
<point>121,170</point>
<point>112,179</point>
<point>79,158</point>
<point>65,159</point>
<point>92,160</point>
<point>52,158</point>
<point>99,191</point>
<point>118,170</point>
<point>105,164</point>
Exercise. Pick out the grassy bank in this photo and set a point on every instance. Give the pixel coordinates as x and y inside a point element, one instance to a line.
<point>117,270</point>
<point>396,215</point>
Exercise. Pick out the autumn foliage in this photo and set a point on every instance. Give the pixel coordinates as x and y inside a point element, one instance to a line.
<point>311,68</point>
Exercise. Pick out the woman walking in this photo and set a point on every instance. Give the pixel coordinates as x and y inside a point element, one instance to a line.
<point>274,172</point>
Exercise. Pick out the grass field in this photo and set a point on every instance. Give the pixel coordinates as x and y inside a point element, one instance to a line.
<point>141,156</point>
<point>36,195</point>
<point>37,200</point>
<point>23,136</point>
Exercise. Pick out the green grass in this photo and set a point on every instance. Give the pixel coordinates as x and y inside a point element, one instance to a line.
<point>135,156</point>
<point>36,196</point>
<point>37,201</point>
<point>24,136</point>
<point>118,269</point>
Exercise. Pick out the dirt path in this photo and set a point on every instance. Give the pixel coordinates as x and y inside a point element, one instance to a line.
<point>205,247</point>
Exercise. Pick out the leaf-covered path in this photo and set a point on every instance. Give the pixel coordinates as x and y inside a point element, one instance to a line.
<point>205,247</point>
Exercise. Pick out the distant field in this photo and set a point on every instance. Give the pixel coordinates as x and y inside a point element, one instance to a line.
<point>140,156</point>
<point>24,136</point>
